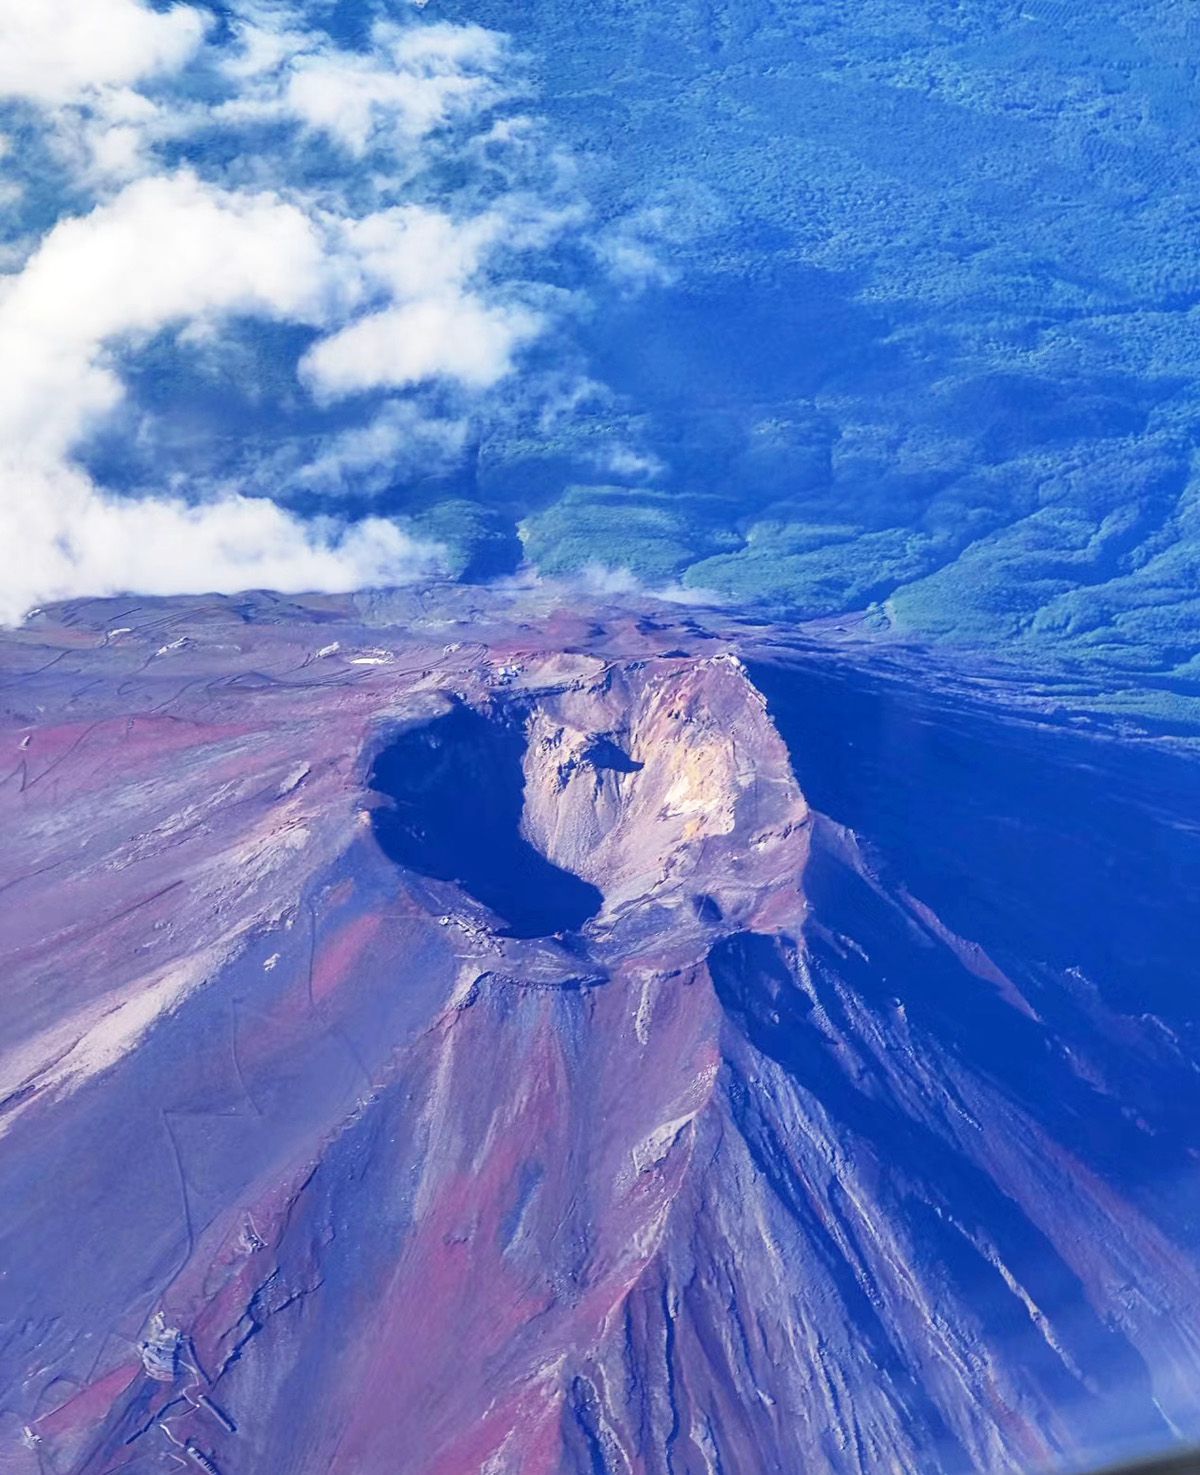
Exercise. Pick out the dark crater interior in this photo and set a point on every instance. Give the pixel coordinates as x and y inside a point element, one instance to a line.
<point>457,790</point>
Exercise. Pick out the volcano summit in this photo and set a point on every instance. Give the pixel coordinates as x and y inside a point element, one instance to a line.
<point>464,1034</point>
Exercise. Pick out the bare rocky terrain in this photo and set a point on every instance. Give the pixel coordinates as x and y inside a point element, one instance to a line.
<point>453,1038</point>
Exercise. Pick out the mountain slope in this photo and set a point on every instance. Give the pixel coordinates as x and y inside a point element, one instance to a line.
<point>457,1045</point>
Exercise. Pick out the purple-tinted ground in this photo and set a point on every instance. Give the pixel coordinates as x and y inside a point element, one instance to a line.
<point>444,1039</point>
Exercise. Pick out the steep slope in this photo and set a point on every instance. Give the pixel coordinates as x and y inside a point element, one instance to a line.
<point>436,1051</point>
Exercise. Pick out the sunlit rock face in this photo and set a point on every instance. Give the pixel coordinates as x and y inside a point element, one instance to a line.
<point>444,1039</point>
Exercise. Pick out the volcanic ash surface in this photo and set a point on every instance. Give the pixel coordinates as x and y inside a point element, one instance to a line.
<point>426,1051</point>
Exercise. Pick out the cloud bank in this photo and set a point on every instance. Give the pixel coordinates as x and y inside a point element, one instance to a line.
<point>264,173</point>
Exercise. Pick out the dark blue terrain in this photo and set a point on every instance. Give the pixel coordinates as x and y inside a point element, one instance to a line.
<point>922,332</point>
<point>1072,859</point>
<point>925,335</point>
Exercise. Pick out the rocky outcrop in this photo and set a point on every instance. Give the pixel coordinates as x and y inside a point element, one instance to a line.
<point>430,1054</point>
<point>661,776</point>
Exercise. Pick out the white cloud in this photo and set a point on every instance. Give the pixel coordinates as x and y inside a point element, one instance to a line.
<point>398,296</point>
<point>623,461</point>
<point>57,51</point>
<point>60,537</point>
<point>615,581</point>
<point>635,247</point>
<point>433,325</point>
<point>411,250</point>
<point>454,335</point>
<point>413,80</point>
<point>171,249</point>
<point>399,441</point>
<point>166,249</point>
<point>82,61</point>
